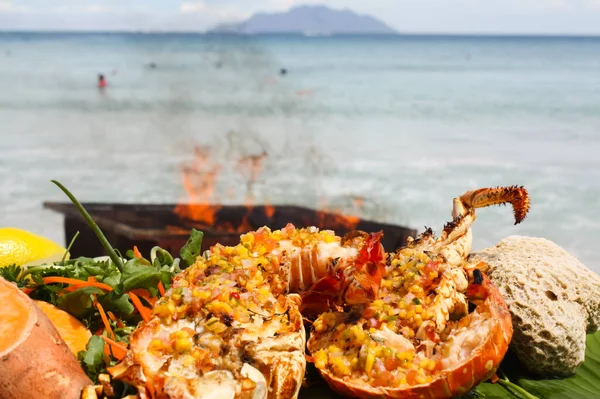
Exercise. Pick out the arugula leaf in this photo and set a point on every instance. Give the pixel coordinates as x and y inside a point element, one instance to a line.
<point>79,302</point>
<point>92,359</point>
<point>139,273</point>
<point>159,257</point>
<point>80,268</point>
<point>12,273</point>
<point>191,250</point>
<point>118,304</point>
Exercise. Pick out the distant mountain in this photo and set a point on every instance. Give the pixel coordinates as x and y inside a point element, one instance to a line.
<point>308,20</point>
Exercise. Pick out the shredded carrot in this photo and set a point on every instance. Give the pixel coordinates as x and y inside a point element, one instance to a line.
<point>494,379</point>
<point>161,288</point>
<point>75,282</point>
<point>144,312</point>
<point>114,318</point>
<point>136,252</point>
<point>145,295</point>
<point>27,290</point>
<point>111,316</point>
<point>151,301</point>
<point>140,292</point>
<point>119,351</point>
<point>103,317</point>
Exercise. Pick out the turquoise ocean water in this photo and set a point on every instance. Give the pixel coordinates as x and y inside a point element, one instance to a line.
<point>402,123</point>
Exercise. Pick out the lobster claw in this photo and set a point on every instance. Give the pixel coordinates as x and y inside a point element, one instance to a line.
<point>345,284</point>
<point>363,283</point>
<point>321,297</point>
<point>478,288</point>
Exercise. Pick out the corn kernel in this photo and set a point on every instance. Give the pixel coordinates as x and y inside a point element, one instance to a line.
<point>386,284</point>
<point>406,252</point>
<point>189,361</point>
<point>201,294</point>
<point>377,303</point>
<point>370,361</point>
<point>320,359</point>
<point>431,366</point>
<point>183,345</point>
<point>422,257</point>
<point>197,353</point>
<point>155,345</point>
<point>162,310</point>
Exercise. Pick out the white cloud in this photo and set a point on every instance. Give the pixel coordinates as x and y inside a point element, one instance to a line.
<point>216,12</point>
<point>89,9</point>
<point>95,9</point>
<point>99,9</point>
<point>193,7</point>
<point>283,5</point>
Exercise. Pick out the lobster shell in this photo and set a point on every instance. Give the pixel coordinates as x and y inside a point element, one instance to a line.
<point>459,380</point>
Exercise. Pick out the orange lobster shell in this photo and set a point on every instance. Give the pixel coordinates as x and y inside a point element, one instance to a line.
<point>460,379</point>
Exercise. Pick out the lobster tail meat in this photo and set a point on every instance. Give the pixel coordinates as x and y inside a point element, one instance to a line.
<point>380,355</point>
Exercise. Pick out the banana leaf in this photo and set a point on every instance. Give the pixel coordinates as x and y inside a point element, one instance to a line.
<point>585,384</point>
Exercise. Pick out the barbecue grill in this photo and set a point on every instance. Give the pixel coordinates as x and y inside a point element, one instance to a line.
<point>146,226</point>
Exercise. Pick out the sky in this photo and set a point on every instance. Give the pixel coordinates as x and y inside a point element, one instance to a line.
<point>406,16</point>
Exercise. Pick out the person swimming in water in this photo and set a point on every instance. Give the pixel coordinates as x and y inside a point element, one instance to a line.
<point>101,81</point>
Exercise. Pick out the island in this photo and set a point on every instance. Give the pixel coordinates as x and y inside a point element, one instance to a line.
<point>308,20</point>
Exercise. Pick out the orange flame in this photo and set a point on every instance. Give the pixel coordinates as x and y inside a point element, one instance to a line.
<point>199,181</point>
<point>199,184</point>
<point>269,210</point>
<point>334,219</point>
<point>200,177</point>
<point>358,201</point>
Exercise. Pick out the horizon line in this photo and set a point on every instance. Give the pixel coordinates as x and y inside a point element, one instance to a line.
<point>292,33</point>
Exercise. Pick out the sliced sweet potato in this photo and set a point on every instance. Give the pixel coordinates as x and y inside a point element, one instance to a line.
<point>72,331</point>
<point>35,362</point>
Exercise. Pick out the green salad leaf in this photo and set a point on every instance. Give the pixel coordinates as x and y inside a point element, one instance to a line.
<point>139,273</point>
<point>11,273</point>
<point>118,304</point>
<point>79,303</point>
<point>191,250</point>
<point>92,359</point>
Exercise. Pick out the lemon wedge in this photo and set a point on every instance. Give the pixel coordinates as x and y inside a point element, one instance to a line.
<point>24,248</point>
